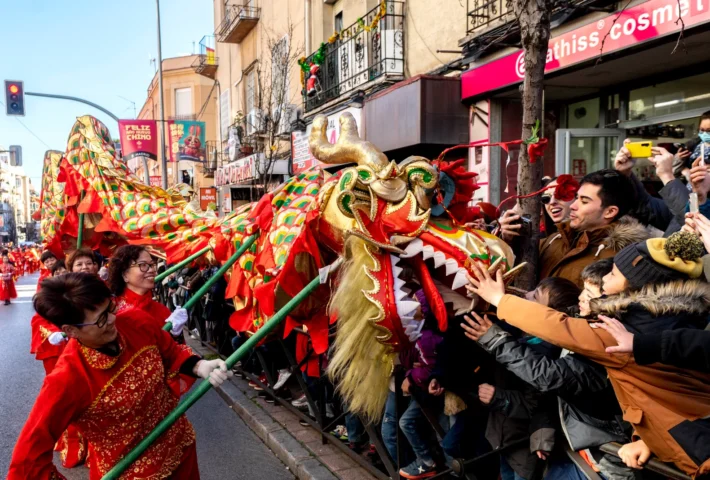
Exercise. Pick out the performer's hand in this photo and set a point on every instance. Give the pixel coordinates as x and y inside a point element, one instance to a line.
<point>57,338</point>
<point>178,319</point>
<point>406,386</point>
<point>214,371</point>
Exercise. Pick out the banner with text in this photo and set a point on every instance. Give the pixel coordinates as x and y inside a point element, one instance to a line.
<point>187,140</point>
<point>139,138</point>
<point>628,28</point>
<point>208,198</point>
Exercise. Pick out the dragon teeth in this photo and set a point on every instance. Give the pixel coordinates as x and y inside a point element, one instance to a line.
<point>439,259</point>
<point>414,247</point>
<point>407,308</point>
<point>451,266</point>
<point>460,280</point>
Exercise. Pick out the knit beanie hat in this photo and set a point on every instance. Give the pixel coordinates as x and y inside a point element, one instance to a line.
<point>660,260</point>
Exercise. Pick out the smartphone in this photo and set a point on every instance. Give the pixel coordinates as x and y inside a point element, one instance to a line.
<point>640,149</point>
<point>526,222</point>
<point>694,203</point>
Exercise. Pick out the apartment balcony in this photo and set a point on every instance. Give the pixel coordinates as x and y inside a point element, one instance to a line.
<point>365,53</point>
<point>206,62</point>
<point>189,116</point>
<point>490,24</point>
<point>213,159</point>
<point>238,21</point>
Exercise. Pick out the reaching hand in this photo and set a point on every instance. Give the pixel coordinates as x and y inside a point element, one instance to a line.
<point>477,224</point>
<point>476,329</point>
<point>700,180</point>
<point>662,159</point>
<point>434,387</point>
<point>508,228</point>
<point>57,338</point>
<point>635,454</point>
<point>624,339</point>
<point>486,393</point>
<point>214,371</point>
<point>178,319</point>
<point>492,291</point>
<point>623,163</point>
<point>700,225</point>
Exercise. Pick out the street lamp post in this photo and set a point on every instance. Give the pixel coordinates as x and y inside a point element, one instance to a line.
<point>164,162</point>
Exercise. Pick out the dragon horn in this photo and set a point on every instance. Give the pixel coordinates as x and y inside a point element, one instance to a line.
<point>349,148</point>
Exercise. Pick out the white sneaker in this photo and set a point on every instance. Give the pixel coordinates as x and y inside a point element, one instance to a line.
<point>284,375</point>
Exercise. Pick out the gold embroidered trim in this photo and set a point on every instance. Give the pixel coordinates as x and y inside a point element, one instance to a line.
<point>120,371</point>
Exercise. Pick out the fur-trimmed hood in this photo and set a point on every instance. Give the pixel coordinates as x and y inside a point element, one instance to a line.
<point>691,297</point>
<point>625,232</point>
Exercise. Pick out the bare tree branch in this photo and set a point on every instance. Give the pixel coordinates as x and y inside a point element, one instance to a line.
<point>681,36</point>
<point>601,47</point>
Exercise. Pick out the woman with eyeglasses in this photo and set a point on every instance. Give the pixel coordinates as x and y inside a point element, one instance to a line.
<point>131,278</point>
<point>113,382</point>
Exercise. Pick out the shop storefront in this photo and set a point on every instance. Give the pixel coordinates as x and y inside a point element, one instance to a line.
<point>638,89</point>
<point>237,182</point>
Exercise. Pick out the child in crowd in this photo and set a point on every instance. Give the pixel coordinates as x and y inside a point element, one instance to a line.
<point>418,363</point>
<point>651,288</point>
<point>518,411</point>
<point>592,276</point>
<point>587,405</point>
<point>59,268</point>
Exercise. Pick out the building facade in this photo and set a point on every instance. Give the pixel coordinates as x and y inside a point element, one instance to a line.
<point>613,71</point>
<point>187,96</point>
<point>18,200</point>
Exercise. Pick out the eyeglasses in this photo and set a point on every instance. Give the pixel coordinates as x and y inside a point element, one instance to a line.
<point>103,318</point>
<point>145,267</point>
<point>546,199</point>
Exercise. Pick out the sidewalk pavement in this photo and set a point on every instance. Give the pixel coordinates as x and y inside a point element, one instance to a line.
<point>299,448</point>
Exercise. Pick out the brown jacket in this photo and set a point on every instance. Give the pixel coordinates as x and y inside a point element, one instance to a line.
<point>667,405</point>
<point>566,253</point>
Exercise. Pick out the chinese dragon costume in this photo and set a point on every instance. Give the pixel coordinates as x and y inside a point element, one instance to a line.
<point>395,225</point>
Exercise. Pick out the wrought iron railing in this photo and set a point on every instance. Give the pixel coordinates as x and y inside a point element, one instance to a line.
<point>362,52</point>
<point>484,14</point>
<point>206,61</point>
<point>190,116</point>
<point>233,16</point>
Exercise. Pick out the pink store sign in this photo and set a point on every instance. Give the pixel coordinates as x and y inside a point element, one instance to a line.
<point>647,21</point>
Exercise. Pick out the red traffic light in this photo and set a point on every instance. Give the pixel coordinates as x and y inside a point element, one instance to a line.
<point>14,88</point>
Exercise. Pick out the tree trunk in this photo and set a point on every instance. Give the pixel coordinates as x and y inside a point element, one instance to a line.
<point>534,19</point>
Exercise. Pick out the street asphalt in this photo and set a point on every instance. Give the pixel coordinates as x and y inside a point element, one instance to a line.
<point>226,447</point>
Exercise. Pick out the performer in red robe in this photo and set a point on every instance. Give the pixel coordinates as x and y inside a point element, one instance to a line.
<point>7,281</point>
<point>47,260</point>
<point>131,277</point>
<point>111,381</point>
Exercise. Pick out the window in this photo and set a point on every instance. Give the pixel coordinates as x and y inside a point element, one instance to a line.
<point>279,73</point>
<point>676,96</point>
<point>183,102</point>
<point>250,91</point>
<point>338,22</point>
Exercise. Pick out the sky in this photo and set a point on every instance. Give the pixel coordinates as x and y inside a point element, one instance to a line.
<point>99,50</point>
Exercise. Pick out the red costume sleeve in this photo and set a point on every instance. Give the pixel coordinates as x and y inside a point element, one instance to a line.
<point>41,330</point>
<point>60,400</point>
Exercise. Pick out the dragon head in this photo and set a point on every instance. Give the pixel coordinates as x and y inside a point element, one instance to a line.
<point>379,214</point>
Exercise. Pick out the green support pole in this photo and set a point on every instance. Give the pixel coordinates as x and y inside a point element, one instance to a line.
<point>204,386</point>
<point>176,267</point>
<point>80,233</point>
<point>223,269</point>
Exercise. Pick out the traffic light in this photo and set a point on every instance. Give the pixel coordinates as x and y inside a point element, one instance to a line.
<point>14,98</point>
<point>16,155</point>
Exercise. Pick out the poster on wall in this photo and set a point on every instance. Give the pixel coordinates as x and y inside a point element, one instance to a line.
<point>301,155</point>
<point>187,140</point>
<point>156,181</point>
<point>139,138</point>
<point>208,198</point>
